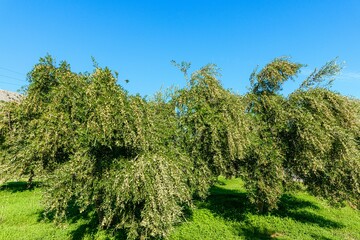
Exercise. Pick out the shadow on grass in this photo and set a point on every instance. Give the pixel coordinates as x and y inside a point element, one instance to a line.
<point>255,233</point>
<point>288,201</point>
<point>235,206</point>
<point>73,215</point>
<point>89,227</point>
<point>319,237</point>
<point>87,224</point>
<point>19,186</point>
<point>292,207</point>
<point>229,204</point>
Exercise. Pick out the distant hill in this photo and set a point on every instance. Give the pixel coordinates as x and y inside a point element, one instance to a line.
<point>6,96</point>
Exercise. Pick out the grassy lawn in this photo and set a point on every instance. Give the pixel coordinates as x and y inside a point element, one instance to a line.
<point>21,217</point>
<point>226,214</point>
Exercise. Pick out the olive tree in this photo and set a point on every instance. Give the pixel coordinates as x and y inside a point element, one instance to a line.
<point>310,136</point>
<point>264,173</point>
<point>135,164</point>
<point>213,125</point>
<point>100,150</point>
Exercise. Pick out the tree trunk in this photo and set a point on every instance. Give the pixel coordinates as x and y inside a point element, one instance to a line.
<point>30,181</point>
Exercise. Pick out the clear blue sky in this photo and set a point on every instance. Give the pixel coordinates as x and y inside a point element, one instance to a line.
<point>140,38</point>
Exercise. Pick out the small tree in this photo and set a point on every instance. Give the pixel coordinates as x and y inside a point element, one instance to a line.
<point>39,136</point>
<point>264,173</point>
<point>100,150</point>
<point>323,147</point>
<point>311,136</point>
<point>213,127</point>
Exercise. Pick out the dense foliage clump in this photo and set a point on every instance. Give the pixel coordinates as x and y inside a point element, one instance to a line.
<point>323,146</point>
<point>309,136</point>
<point>136,163</point>
<point>263,165</point>
<point>212,125</point>
<point>100,149</point>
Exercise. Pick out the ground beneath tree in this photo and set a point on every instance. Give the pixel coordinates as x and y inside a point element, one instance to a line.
<point>225,214</point>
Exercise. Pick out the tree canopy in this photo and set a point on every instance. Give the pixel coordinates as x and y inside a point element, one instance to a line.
<point>138,163</point>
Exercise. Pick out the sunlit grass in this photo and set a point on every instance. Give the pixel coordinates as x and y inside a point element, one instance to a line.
<point>225,214</point>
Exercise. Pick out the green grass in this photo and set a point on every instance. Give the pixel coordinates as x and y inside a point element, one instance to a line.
<point>21,217</point>
<point>225,214</point>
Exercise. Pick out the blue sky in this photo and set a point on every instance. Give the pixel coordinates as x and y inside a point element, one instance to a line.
<point>140,38</point>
